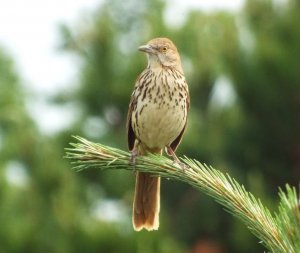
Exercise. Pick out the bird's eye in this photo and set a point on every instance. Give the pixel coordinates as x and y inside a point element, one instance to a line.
<point>164,49</point>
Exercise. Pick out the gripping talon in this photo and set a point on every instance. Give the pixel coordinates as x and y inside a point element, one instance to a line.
<point>175,158</point>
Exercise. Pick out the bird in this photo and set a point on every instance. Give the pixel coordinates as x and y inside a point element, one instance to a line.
<point>156,121</point>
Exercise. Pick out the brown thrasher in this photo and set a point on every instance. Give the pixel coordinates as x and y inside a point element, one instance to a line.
<point>157,119</point>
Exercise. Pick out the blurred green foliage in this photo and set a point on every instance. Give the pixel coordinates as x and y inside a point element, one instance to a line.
<point>253,133</point>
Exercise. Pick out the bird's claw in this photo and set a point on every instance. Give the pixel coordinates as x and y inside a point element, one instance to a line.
<point>176,160</point>
<point>181,165</point>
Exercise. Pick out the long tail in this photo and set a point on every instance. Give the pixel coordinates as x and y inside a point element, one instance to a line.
<point>146,202</point>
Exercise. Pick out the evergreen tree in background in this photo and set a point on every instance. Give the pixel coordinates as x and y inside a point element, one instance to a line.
<point>266,79</point>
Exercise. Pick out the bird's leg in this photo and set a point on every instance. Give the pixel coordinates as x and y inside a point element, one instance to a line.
<point>134,154</point>
<point>175,158</point>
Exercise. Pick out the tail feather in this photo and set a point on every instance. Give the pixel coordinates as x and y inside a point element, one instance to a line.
<point>146,203</point>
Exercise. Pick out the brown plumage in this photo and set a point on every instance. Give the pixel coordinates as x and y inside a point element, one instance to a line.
<point>157,119</point>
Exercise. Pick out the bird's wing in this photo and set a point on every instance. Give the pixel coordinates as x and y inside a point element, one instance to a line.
<point>131,137</point>
<point>177,141</point>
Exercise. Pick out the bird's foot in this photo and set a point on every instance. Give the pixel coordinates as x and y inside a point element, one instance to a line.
<point>132,160</point>
<point>175,158</point>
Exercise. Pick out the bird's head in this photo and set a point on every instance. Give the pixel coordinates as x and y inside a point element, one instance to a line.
<point>162,53</point>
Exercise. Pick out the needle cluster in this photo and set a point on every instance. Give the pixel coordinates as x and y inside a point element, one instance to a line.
<point>279,232</point>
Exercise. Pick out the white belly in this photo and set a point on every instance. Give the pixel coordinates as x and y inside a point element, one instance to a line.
<point>159,127</point>
<point>161,112</point>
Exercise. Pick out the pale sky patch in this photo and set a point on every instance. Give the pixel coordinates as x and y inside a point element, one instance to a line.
<point>29,31</point>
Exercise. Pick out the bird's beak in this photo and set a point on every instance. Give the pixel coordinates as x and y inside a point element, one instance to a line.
<point>147,49</point>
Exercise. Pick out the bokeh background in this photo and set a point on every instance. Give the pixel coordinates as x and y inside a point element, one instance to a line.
<point>242,63</point>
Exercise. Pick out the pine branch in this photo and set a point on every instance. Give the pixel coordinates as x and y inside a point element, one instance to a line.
<point>278,232</point>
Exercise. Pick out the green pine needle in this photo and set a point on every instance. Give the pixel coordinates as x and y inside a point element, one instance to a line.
<point>278,232</point>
